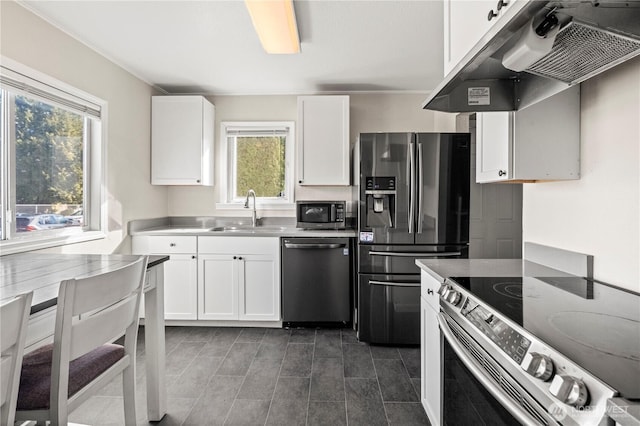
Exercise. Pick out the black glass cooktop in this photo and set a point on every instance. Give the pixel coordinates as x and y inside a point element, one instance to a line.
<point>594,324</point>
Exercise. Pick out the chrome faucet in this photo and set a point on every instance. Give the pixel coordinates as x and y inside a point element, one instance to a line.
<point>254,217</point>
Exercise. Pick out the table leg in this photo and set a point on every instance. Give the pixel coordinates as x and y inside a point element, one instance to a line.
<point>155,346</point>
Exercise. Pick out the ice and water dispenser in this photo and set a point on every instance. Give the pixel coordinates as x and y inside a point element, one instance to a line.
<point>380,195</point>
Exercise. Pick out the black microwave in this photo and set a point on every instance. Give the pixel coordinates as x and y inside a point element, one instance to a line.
<point>321,214</point>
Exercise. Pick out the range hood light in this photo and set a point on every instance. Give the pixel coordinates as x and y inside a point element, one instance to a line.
<point>275,23</point>
<point>533,44</point>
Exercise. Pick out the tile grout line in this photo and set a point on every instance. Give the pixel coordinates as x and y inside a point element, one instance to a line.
<point>344,380</point>
<point>375,370</point>
<point>195,403</point>
<point>277,380</point>
<point>313,356</point>
<point>235,397</point>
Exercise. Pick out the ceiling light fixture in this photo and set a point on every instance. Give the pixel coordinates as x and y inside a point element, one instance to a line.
<point>275,23</point>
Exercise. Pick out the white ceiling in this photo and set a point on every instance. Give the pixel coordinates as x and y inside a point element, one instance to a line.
<point>210,47</point>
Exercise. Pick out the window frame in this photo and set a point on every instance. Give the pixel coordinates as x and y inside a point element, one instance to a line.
<point>94,163</point>
<point>227,169</point>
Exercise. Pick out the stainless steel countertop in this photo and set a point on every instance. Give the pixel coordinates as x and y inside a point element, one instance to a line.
<point>228,227</point>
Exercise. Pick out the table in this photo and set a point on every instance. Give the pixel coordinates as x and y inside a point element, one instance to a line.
<point>42,274</point>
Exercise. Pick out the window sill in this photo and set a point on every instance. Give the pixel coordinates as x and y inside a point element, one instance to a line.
<point>259,206</point>
<point>21,245</point>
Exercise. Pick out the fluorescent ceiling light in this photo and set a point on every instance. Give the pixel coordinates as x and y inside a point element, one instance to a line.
<point>275,23</point>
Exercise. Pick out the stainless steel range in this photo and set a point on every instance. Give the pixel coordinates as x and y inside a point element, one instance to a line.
<point>550,350</point>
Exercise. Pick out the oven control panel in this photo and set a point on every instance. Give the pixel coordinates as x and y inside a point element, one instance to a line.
<point>506,338</point>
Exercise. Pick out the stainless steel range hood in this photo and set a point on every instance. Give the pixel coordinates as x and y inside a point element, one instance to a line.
<point>589,37</point>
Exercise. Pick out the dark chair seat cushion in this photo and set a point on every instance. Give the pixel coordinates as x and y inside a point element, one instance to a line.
<point>35,380</point>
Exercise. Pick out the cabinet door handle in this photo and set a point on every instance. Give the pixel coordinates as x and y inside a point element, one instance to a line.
<point>429,291</point>
<point>501,4</point>
<point>193,257</point>
<point>240,258</point>
<point>502,173</point>
<point>172,244</point>
<point>235,257</point>
<point>491,15</point>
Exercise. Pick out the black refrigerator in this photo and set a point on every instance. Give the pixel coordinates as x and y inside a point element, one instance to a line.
<point>413,204</point>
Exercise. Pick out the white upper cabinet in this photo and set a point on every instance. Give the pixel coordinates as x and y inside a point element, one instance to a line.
<point>494,142</point>
<point>467,21</point>
<point>323,140</point>
<point>181,140</point>
<point>541,142</point>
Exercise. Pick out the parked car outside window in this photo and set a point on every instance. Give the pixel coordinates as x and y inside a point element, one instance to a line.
<point>76,218</point>
<point>22,222</point>
<point>47,221</point>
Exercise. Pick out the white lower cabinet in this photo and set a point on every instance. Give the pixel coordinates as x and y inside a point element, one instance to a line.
<point>239,278</point>
<point>218,278</point>
<point>218,275</point>
<point>180,288</point>
<point>430,351</point>
<point>180,272</point>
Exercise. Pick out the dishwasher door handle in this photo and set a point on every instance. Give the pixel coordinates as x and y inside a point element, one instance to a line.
<point>313,246</point>
<point>394,283</point>
<point>414,254</point>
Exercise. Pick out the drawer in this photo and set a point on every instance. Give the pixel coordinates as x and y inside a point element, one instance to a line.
<point>164,245</point>
<point>429,290</point>
<point>239,245</point>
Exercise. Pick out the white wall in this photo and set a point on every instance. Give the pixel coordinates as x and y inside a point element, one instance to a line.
<point>600,213</point>
<point>369,113</point>
<point>33,42</point>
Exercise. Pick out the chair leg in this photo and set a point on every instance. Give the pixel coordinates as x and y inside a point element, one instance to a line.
<point>129,393</point>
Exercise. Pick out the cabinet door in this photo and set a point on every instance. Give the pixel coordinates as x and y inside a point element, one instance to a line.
<point>323,138</point>
<point>259,288</point>
<point>465,22</point>
<point>494,144</point>
<point>217,284</point>
<point>180,287</point>
<point>181,140</point>
<point>431,370</point>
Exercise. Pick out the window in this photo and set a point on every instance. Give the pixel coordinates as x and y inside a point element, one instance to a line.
<point>259,158</point>
<point>50,138</point>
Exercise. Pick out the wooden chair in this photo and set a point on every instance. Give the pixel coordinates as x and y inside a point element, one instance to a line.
<point>14,316</point>
<point>91,313</point>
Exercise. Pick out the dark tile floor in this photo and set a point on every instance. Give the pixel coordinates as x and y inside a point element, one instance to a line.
<point>257,376</point>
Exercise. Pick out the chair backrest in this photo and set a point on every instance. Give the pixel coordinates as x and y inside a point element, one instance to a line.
<point>97,310</point>
<point>14,316</point>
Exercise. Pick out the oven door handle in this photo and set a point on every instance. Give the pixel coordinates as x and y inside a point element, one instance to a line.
<point>415,254</point>
<point>394,283</point>
<point>483,378</point>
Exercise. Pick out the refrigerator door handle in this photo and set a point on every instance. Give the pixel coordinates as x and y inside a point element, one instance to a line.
<point>412,179</point>
<point>415,254</point>
<point>394,283</point>
<point>420,191</point>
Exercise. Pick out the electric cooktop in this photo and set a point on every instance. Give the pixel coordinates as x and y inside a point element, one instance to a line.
<point>596,325</point>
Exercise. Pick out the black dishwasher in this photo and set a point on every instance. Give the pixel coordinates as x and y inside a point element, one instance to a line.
<point>316,280</point>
